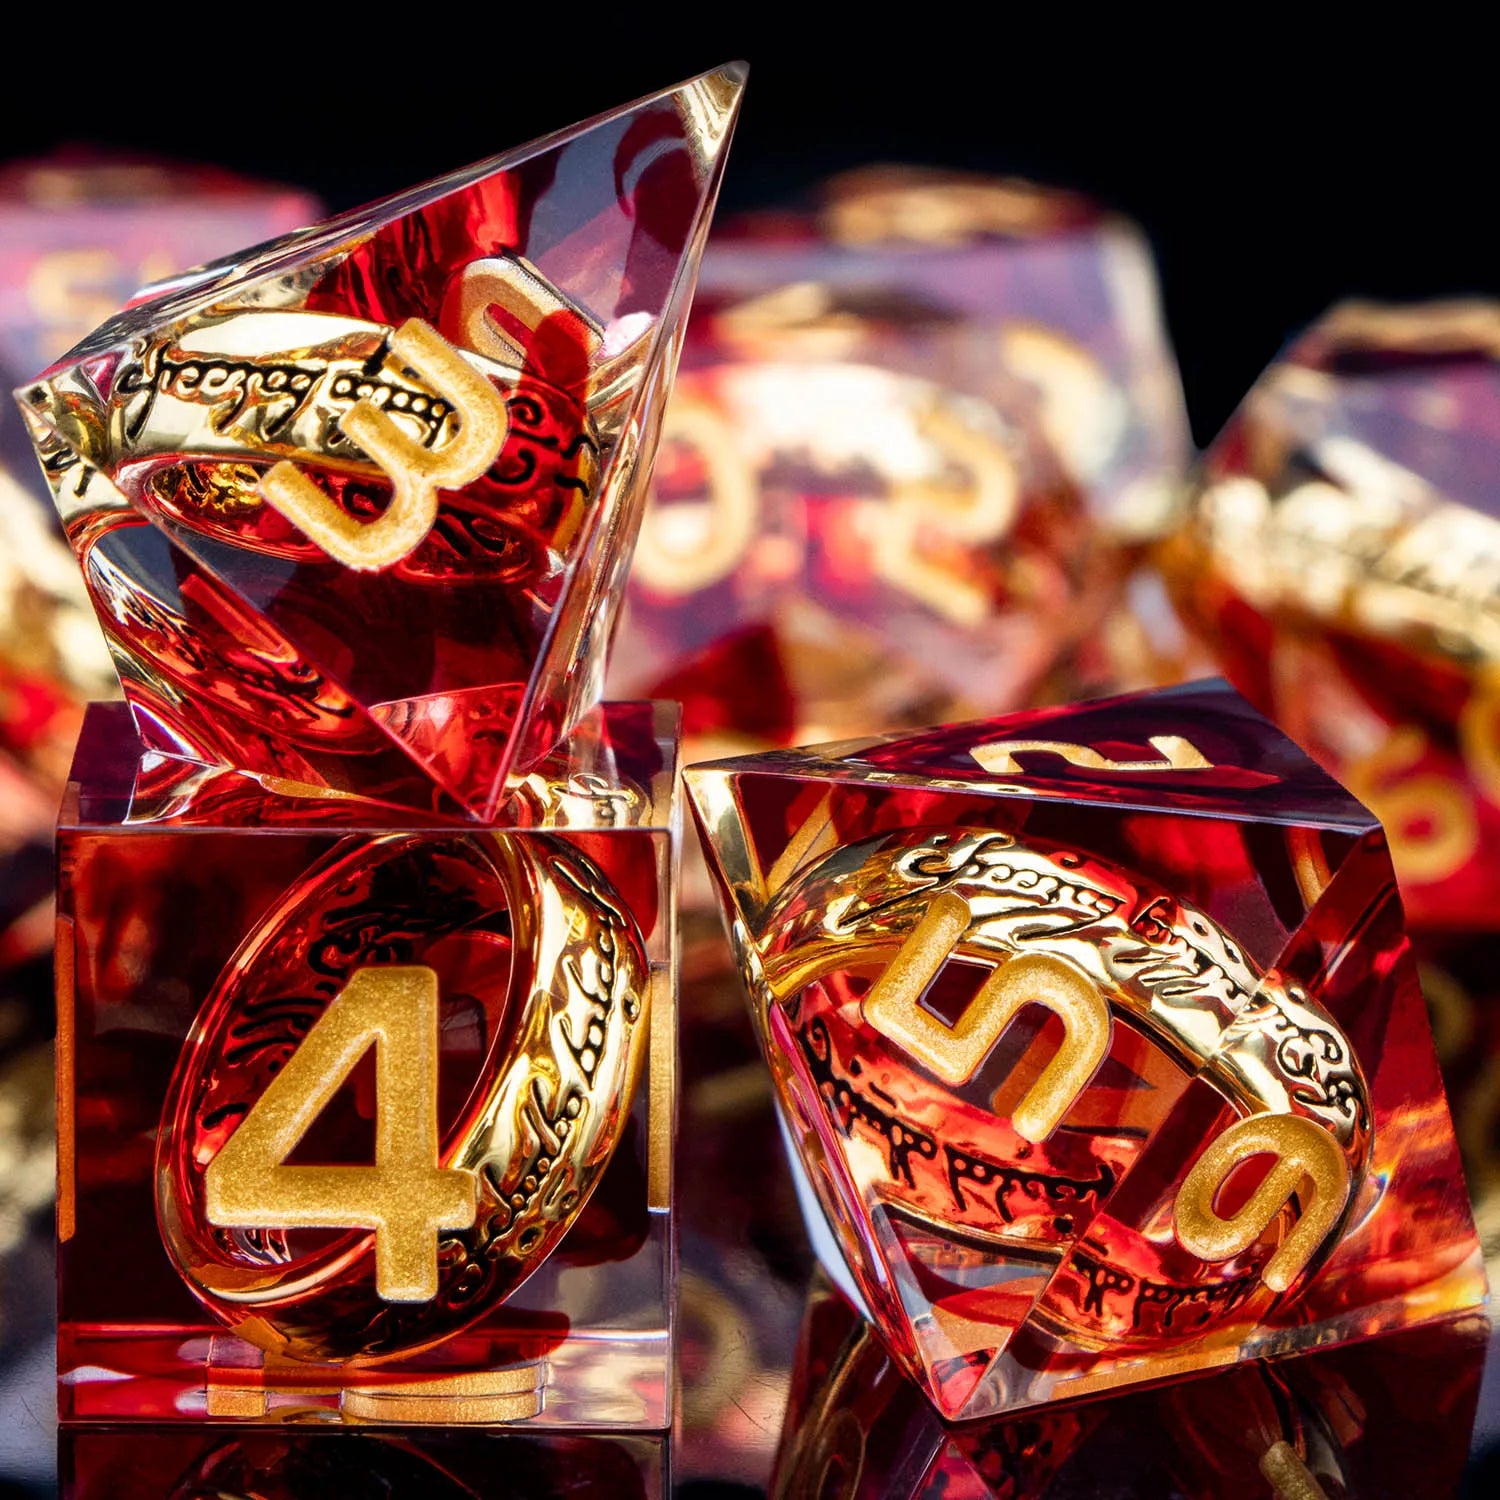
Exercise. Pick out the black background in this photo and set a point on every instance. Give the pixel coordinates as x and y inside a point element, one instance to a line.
<point>1276,171</point>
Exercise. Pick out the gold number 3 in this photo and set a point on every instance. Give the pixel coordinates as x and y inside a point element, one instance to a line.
<point>408,1197</point>
<point>416,473</point>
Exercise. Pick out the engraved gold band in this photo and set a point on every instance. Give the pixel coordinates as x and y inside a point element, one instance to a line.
<point>541,1122</point>
<point>908,901</point>
<point>1177,971</point>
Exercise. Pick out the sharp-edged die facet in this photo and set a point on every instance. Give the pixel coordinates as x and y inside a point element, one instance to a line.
<point>1100,1038</point>
<point>1339,552</point>
<point>354,507</point>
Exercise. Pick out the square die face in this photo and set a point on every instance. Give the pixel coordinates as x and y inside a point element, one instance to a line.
<point>379,1118</point>
<point>1114,1067</point>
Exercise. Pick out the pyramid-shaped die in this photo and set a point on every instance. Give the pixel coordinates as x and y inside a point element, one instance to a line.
<point>1099,1039</point>
<point>354,507</point>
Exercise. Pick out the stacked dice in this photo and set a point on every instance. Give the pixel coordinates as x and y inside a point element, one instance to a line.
<point>366,989</point>
<point>1093,1029</point>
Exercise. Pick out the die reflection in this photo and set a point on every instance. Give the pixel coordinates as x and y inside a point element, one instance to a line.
<point>319,1462</point>
<point>1388,1418</point>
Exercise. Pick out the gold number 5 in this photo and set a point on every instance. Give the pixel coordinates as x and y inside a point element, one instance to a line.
<point>408,1197</point>
<point>954,1053</point>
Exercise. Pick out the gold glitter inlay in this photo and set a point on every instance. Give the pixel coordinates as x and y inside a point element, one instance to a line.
<point>407,1197</point>
<point>1304,1152</point>
<point>416,472</point>
<point>954,1053</point>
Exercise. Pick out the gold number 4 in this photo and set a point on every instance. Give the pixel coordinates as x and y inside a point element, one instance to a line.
<point>416,472</point>
<point>407,1197</point>
<point>954,1053</point>
<point>1177,754</point>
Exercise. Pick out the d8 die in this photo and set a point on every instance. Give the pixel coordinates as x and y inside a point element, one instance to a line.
<point>1098,1038</point>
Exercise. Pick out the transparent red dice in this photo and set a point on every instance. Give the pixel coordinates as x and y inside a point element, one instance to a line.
<point>471,1031</point>
<point>79,233</point>
<point>911,437</point>
<point>1340,555</point>
<point>1098,1038</point>
<point>354,507</point>
<point>366,1004</point>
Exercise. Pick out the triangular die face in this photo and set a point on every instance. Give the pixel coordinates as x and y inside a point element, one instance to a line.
<point>205,677</point>
<point>1404,1249</point>
<point>508,336</point>
<point>1411,1225</point>
<point>1337,1421</point>
<point>962,1307</point>
<point>770,832</point>
<point>1199,749</point>
<point>484,198</point>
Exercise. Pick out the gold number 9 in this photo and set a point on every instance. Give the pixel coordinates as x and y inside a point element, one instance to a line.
<point>1305,1154</point>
